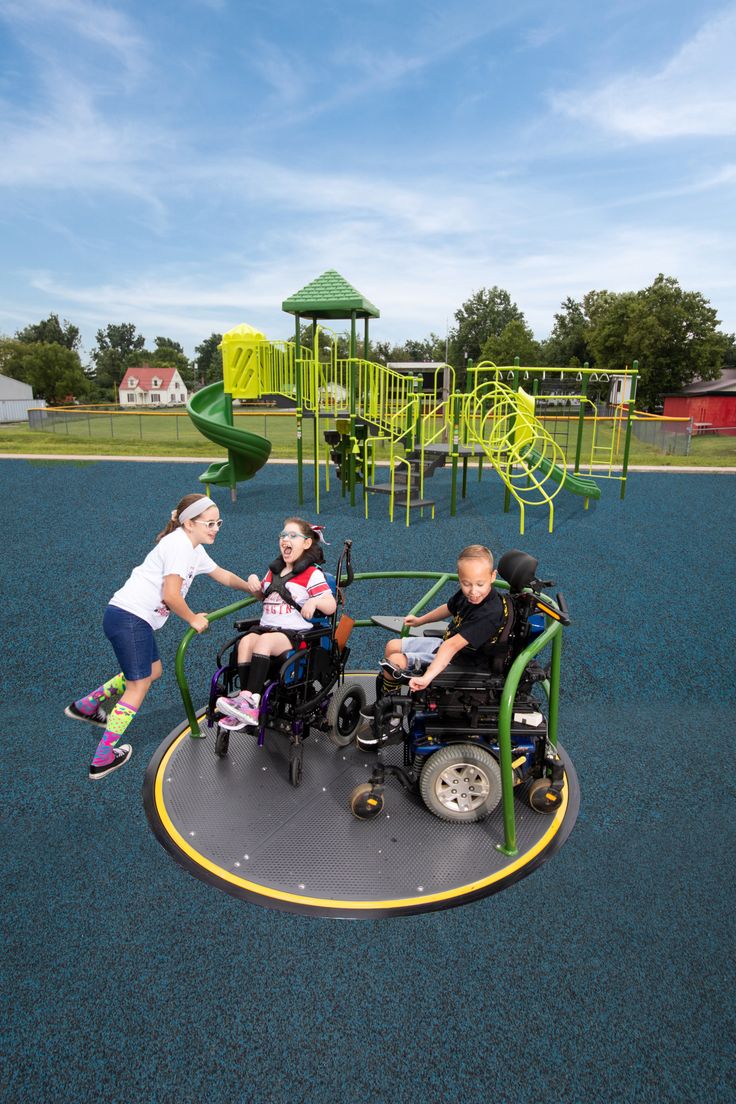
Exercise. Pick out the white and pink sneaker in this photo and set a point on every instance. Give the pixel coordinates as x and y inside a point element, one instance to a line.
<point>244,707</point>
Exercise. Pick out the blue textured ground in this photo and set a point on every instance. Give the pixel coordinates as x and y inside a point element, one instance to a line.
<point>608,975</point>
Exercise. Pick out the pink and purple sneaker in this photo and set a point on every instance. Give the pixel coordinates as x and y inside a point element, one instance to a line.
<point>243,707</point>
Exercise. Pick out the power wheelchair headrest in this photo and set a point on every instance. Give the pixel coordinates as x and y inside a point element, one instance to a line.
<point>518,569</point>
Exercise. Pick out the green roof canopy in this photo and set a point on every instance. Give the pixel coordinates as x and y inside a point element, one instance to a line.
<point>330,296</point>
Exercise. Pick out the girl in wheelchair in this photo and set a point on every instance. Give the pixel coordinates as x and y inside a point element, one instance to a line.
<point>293,591</point>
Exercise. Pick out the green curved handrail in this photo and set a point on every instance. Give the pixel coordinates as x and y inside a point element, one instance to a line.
<point>551,634</point>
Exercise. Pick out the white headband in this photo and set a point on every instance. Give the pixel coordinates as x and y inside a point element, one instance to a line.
<point>196,508</point>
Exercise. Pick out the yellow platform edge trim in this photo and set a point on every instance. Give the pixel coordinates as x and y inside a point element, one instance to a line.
<point>328,902</point>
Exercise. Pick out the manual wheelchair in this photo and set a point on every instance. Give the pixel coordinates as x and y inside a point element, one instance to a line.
<point>306,690</point>
<point>450,731</point>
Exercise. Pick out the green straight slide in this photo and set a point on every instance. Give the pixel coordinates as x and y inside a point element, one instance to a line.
<point>211,411</point>
<point>576,484</point>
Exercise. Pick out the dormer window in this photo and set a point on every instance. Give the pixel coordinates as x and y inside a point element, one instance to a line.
<point>155,382</point>
<point>132,382</point>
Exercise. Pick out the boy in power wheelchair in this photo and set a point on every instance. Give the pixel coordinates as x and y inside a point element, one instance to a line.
<point>303,689</point>
<point>448,721</point>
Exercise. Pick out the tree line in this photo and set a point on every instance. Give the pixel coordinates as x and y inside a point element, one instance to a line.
<point>675,336</point>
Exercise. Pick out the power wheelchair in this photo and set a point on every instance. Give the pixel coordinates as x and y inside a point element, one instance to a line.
<point>450,731</point>
<point>304,692</point>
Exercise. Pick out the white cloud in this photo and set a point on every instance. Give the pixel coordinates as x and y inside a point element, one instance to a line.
<point>100,24</point>
<point>693,94</point>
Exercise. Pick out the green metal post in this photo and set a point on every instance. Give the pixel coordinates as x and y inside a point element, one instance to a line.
<point>553,693</point>
<point>228,410</point>
<point>298,380</point>
<point>315,413</point>
<point>629,421</point>
<point>454,454</point>
<point>353,405</point>
<point>514,387</point>
<point>581,419</point>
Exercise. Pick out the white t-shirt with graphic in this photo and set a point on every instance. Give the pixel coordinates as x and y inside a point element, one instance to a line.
<point>278,614</point>
<point>173,555</point>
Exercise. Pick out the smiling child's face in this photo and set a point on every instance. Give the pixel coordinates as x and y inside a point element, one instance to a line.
<point>476,578</point>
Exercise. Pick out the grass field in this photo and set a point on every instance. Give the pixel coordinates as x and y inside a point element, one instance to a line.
<point>175,435</point>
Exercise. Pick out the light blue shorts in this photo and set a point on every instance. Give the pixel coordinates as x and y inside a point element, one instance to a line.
<point>420,650</point>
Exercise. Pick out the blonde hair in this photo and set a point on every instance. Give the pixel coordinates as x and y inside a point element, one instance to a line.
<point>477,552</point>
<point>173,522</point>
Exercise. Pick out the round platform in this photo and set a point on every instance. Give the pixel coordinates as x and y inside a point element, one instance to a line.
<point>240,825</point>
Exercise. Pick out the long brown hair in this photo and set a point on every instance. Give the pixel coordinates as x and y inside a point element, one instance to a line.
<point>173,522</point>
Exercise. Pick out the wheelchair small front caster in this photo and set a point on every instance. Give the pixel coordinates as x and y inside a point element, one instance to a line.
<point>543,796</point>
<point>222,742</point>
<point>295,766</point>
<point>366,802</point>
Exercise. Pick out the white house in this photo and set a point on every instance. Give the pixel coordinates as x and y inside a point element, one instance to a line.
<point>16,399</point>
<point>147,386</point>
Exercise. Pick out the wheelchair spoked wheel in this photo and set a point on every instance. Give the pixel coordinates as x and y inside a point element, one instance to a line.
<point>343,713</point>
<point>366,802</point>
<point>222,742</point>
<point>543,796</point>
<point>461,783</point>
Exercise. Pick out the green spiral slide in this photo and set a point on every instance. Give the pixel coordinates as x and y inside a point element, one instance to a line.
<point>211,411</point>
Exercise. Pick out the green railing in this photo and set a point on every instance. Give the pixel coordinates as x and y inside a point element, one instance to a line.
<point>552,634</point>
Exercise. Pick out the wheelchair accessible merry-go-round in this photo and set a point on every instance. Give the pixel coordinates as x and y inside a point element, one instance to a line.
<point>488,793</point>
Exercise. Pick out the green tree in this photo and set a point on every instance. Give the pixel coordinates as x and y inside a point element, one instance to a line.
<point>208,360</point>
<point>567,343</point>
<point>53,371</point>
<point>485,314</point>
<point>672,333</point>
<point>515,339</point>
<point>51,331</point>
<point>116,349</point>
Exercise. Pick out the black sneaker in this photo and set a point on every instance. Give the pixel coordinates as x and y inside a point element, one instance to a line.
<point>122,755</point>
<point>99,717</point>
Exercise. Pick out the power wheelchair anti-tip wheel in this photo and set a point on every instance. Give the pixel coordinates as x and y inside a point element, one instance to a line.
<point>343,713</point>
<point>461,783</point>
<point>543,796</point>
<point>366,802</point>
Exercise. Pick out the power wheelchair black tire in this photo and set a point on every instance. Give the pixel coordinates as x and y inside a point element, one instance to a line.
<point>343,713</point>
<point>222,742</point>
<point>461,783</point>
<point>365,803</point>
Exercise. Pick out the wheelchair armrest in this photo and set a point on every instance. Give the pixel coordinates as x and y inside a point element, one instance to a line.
<point>435,633</point>
<point>243,626</point>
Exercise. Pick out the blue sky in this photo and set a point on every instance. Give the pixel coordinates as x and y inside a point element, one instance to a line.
<point>188,165</point>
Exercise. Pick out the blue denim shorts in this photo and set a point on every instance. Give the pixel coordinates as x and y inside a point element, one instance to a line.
<point>133,641</point>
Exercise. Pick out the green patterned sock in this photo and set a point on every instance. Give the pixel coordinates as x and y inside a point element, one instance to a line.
<point>91,703</point>
<point>117,723</point>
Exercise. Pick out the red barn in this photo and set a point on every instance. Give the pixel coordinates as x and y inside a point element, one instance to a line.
<point>710,403</point>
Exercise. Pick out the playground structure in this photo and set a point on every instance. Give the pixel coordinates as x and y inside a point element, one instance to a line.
<point>530,425</point>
